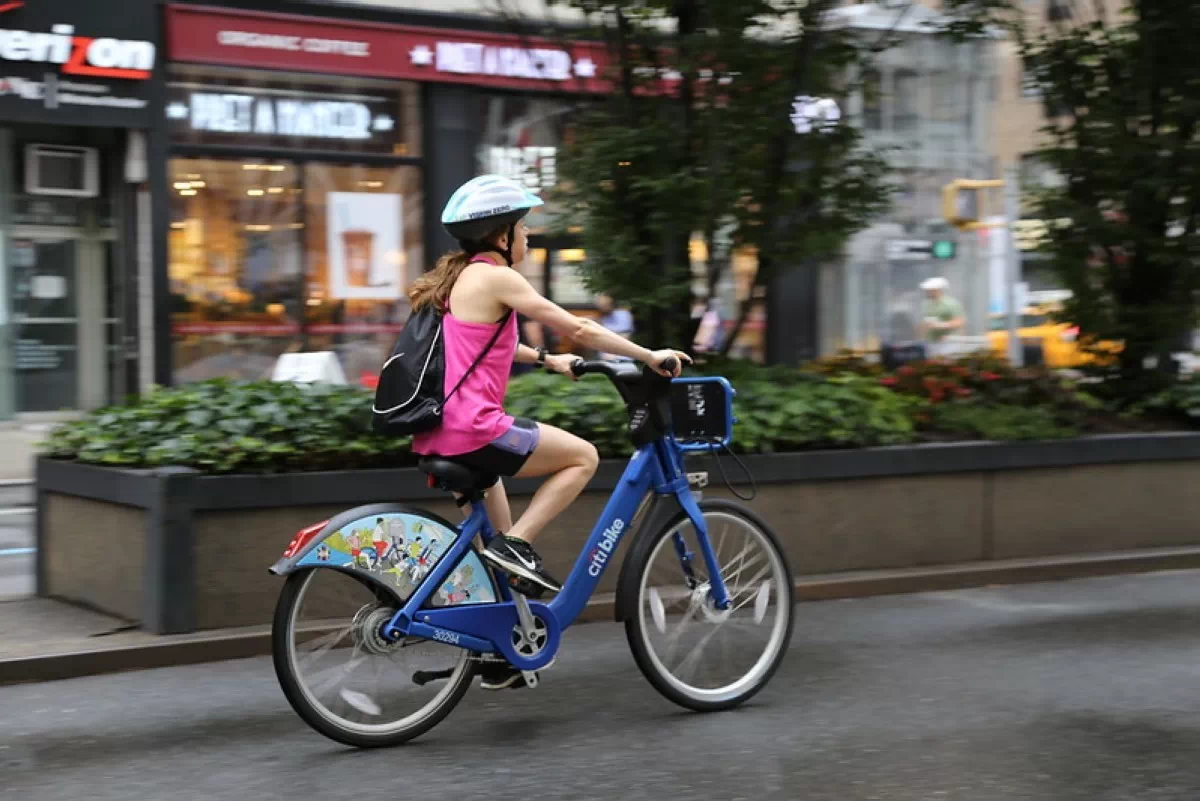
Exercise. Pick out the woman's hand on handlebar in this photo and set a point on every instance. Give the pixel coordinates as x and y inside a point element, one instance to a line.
<point>660,361</point>
<point>561,363</point>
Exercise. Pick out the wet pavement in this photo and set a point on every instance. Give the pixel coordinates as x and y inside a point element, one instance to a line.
<point>1086,690</point>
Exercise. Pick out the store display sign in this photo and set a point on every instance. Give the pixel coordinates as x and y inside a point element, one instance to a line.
<point>535,167</point>
<point>364,245</point>
<point>231,115</point>
<point>77,63</point>
<point>321,45</point>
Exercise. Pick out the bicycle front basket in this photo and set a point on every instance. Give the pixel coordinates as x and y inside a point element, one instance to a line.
<point>702,412</point>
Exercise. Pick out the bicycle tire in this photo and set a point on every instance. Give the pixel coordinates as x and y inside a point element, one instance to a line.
<point>635,625</point>
<point>299,701</point>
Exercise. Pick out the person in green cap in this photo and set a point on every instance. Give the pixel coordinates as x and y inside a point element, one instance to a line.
<point>941,317</point>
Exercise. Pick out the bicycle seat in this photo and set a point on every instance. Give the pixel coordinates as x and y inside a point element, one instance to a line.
<point>452,476</point>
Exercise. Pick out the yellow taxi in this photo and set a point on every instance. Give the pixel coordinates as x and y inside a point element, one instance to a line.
<point>1060,341</point>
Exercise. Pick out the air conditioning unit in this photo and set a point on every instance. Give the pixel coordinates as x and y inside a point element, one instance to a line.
<point>62,170</point>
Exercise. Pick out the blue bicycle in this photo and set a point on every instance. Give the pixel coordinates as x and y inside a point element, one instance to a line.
<point>388,611</point>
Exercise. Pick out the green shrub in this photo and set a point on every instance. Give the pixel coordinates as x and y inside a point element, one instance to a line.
<point>844,412</point>
<point>226,427</point>
<point>998,422</point>
<point>1181,401</point>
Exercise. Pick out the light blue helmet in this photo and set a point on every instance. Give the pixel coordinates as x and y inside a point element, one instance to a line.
<point>486,203</point>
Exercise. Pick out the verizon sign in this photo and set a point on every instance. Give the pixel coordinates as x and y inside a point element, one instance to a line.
<point>77,63</point>
<point>86,56</point>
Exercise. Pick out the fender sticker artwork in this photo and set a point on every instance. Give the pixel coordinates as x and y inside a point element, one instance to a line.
<point>402,549</point>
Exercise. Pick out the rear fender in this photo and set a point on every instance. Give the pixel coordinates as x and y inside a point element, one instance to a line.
<point>394,547</point>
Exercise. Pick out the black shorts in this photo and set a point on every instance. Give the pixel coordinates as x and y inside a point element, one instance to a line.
<point>507,453</point>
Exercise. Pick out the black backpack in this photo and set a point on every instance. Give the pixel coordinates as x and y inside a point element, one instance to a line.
<point>411,390</point>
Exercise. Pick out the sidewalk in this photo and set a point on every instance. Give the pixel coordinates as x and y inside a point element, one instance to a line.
<point>18,448</point>
<point>42,639</point>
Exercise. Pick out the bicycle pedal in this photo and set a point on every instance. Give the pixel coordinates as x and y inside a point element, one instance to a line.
<point>423,677</point>
<point>526,587</point>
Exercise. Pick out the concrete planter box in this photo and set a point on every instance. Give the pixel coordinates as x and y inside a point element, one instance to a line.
<point>178,551</point>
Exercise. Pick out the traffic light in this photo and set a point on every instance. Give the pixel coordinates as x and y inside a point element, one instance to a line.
<point>963,202</point>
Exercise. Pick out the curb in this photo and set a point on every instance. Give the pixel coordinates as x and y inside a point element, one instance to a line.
<point>195,649</point>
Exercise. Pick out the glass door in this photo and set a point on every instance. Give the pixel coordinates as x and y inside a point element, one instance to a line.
<point>45,322</point>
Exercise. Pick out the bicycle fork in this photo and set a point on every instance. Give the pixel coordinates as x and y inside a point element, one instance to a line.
<point>717,590</point>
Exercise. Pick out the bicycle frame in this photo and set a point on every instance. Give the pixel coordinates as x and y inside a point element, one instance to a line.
<point>657,466</point>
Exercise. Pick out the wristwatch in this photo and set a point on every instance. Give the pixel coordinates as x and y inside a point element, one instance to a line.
<point>541,357</point>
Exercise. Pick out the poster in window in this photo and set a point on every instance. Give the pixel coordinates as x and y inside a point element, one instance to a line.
<point>365,247</point>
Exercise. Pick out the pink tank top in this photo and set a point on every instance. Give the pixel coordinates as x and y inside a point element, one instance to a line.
<point>474,416</point>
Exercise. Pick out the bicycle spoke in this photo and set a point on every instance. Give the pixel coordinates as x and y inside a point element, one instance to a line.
<point>354,680</point>
<point>708,653</point>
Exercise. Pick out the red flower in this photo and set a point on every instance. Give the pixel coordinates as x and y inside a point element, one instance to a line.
<point>905,370</point>
<point>888,382</point>
<point>989,376</point>
<point>962,392</point>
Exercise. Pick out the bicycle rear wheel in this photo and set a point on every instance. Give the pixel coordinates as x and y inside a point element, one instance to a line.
<point>698,656</point>
<point>344,679</point>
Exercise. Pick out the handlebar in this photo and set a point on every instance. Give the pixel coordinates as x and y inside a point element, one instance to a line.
<point>614,369</point>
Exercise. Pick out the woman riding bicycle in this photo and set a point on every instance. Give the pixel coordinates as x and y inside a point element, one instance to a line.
<point>476,287</point>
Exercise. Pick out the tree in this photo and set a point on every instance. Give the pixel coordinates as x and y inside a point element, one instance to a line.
<point>1124,140</point>
<point>698,136</point>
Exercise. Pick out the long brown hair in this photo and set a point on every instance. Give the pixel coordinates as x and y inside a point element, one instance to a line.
<point>434,286</point>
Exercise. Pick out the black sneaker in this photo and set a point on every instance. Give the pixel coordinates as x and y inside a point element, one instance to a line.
<point>500,675</point>
<point>518,558</point>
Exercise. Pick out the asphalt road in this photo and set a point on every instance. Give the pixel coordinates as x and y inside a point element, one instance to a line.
<point>1085,690</point>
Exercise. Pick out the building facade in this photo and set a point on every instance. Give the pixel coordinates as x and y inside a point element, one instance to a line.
<point>78,98</point>
<point>928,102</point>
<point>265,178</point>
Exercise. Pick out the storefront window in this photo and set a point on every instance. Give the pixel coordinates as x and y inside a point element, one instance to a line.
<point>290,253</point>
<point>236,264</point>
<point>364,248</point>
<point>567,287</point>
<point>521,137</point>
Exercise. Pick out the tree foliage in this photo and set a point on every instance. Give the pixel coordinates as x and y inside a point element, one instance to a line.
<point>697,137</point>
<point>1125,89</point>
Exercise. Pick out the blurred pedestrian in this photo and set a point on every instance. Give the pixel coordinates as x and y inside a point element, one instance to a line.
<point>708,332</point>
<point>531,334</point>
<point>942,315</point>
<point>617,320</point>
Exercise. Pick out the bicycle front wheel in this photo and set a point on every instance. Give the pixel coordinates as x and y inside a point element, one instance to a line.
<point>701,657</point>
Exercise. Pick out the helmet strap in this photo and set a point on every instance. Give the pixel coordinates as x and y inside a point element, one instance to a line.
<point>512,236</point>
<point>473,247</point>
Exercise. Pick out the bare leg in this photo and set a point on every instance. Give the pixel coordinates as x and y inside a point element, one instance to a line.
<point>572,461</point>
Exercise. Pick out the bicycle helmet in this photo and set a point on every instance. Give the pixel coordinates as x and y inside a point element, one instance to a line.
<point>484,204</point>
